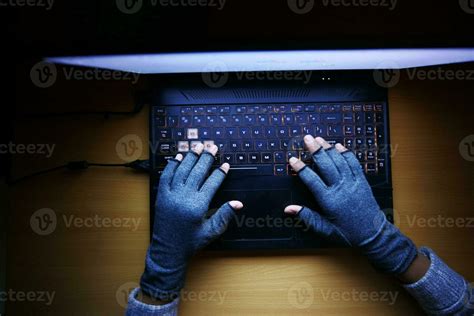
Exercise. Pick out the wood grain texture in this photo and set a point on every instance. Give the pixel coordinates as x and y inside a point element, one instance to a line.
<point>87,266</point>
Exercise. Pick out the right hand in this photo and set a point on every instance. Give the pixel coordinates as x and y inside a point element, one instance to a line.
<point>348,208</point>
<point>349,211</point>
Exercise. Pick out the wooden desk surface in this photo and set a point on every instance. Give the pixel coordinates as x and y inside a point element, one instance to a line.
<point>89,269</point>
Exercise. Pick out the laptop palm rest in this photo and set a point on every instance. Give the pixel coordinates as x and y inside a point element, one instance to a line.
<point>262,216</point>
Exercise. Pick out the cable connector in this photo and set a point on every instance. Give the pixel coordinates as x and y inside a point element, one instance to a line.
<point>77,165</point>
<point>140,165</point>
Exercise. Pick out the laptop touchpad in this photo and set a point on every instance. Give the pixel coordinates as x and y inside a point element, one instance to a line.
<point>262,216</point>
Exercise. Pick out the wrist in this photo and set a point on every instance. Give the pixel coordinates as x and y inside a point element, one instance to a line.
<point>416,270</point>
<point>390,251</point>
<point>147,299</point>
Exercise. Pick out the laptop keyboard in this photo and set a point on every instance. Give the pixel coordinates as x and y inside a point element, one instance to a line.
<point>261,138</point>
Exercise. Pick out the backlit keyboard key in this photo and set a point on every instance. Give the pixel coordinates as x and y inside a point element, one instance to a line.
<point>309,108</point>
<point>172,121</point>
<point>229,158</point>
<point>240,158</point>
<point>199,110</point>
<point>267,158</point>
<point>208,144</point>
<point>247,145</point>
<point>331,118</point>
<point>245,132</point>
<point>280,170</point>
<point>186,110</point>
<point>297,108</point>
<point>192,133</point>
<point>301,118</point>
<point>185,121</point>
<point>254,157</point>
<point>164,133</point>
<point>279,157</point>
<point>261,145</point>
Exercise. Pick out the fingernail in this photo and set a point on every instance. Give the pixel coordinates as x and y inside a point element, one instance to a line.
<point>213,150</point>
<point>293,159</point>
<point>225,167</point>
<point>293,209</point>
<point>236,205</point>
<point>199,147</point>
<point>179,157</point>
<point>340,148</point>
<point>308,138</point>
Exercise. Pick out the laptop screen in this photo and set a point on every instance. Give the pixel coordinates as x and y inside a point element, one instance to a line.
<point>198,62</point>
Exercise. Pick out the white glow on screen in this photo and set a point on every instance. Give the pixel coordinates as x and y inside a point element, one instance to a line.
<point>272,60</point>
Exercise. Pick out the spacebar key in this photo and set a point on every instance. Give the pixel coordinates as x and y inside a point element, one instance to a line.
<point>251,170</point>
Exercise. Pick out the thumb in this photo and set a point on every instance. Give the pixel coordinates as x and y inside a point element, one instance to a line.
<point>317,223</point>
<point>217,224</point>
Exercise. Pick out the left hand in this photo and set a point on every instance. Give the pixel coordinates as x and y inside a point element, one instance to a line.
<point>180,227</point>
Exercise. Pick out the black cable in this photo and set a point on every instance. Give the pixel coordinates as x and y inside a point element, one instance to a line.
<point>139,165</point>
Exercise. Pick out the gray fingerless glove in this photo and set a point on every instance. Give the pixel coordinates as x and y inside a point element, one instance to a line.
<point>180,227</point>
<point>350,214</point>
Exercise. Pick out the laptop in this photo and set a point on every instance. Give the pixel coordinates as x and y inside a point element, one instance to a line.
<point>254,108</point>
<point>257,127</point>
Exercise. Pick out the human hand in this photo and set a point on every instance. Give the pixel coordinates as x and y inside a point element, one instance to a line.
<point>349,211</point>
<point>180,227</point>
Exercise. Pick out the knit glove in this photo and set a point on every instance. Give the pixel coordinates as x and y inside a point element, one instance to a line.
<point>348,210</point>
<point>180,226</point>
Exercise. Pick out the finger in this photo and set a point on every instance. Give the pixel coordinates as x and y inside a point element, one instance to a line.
<point>168,173</point>
<point>217,224</point>
<point>201,168</point>
<point>312,180</point>
<point>340,162</point>
<point>311,144</point>
<point>186,166</point>
<point>353,164</point>
<point>212,184</point>
<point>296,164</point>
<point>324,165</point>
<point>317,223</point>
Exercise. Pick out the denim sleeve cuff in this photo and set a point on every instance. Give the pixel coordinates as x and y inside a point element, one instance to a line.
<point>441,291</point>
<point>137,308</point>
